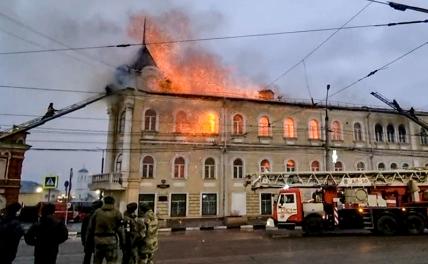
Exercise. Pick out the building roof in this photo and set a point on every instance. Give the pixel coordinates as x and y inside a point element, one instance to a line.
<point>83,170</point>
<point>144,59</point>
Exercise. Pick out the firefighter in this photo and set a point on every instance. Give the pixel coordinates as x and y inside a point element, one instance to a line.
<point>50,112</point>
<point>134,234</point>
<point>105,229</point>
<point>151,237</point>
<point>88,245</point>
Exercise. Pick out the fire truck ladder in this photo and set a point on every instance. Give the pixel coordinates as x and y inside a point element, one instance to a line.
<point>409,114</point>
<point>41,120</point>
<point>343,179</point>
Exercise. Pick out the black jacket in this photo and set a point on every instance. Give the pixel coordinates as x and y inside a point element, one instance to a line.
<point>10,234</point>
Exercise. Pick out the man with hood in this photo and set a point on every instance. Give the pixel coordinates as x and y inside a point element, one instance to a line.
<point>10,233</point>
<point>106,230</point>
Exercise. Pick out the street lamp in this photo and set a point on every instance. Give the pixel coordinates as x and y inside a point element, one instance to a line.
<point>327,130</point>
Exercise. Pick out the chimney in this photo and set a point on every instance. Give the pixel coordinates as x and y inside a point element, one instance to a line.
<point>266,94</point>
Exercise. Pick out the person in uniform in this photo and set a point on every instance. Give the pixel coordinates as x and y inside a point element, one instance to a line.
<point>88,246</point>
<point>151,237</point>
<point>106,230</point>
<point>11,232</point>
<point>134,235</point>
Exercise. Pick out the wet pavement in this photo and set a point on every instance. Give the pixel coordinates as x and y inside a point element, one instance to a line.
<point>257,246</point>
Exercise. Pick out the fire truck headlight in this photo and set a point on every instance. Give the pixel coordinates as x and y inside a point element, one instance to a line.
<point>286,187</point>
<point>360,210</point>
<point>403,209</point>
<point>270,223</point>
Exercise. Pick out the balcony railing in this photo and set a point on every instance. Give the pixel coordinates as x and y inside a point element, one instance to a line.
<point>106,181</point>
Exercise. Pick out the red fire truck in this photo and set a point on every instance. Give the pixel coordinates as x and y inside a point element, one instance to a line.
<point>385,202</point>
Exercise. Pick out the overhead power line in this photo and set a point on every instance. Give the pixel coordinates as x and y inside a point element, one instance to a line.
<point>379,69</point>
<point>125,45</point>
<point>47,89</point>
<point>284,73</point>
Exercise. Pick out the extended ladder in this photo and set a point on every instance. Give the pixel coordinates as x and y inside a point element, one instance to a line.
<point>316,179</point>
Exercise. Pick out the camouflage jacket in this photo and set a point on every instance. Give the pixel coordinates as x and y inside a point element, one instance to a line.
<point>151,239</point>
<point>105,226</point>
<point>135,229</point>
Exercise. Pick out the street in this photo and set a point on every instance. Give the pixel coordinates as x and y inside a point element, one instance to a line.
<point>255,246</point>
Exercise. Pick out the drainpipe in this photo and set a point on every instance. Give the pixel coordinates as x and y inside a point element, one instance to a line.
<point>223,159</point>
<point>370,140</point>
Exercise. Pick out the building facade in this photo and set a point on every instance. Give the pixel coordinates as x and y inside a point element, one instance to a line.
<point>188,155</point>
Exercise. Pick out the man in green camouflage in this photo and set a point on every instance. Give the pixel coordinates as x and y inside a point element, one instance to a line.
<point>135,231</point>
<point>106,227</point>
<point>151,238</point>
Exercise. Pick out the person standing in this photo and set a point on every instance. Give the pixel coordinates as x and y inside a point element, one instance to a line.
<point>151,236</point>
<point>88,246</point>
<point>105,228</point>
<point>46,236</point>
<point>11,232</point>
<point>134,234</point>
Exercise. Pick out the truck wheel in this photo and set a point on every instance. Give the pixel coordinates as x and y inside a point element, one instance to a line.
<point>312,225</point>
<point>387,225</point>
<point>415,225</point>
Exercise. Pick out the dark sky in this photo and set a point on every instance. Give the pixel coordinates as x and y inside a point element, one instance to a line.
<point>349,55</point>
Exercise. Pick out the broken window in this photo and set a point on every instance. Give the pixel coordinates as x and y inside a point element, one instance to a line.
<point>264,126</point>
<point>401,134</point>
<point>379,133</point>
<point>315,165</point>
<point>390,133</point>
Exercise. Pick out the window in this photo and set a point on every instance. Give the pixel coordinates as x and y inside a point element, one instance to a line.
<point>181,122</point>
<point>358,135</point>
<point>424,137</point>
<point>379,133</point>
<point>121,127</point>
<point>338,166</point>
<point>148,199</point>
<point>291,166</point>
<point>238,167</point>
<point>381,166</point>
<point>287,198</point>
<point>266,203</point>
<point>209,204</point>
<point>265,166</point>
<point>401,134</point>
<point>289,128</point>
<point>315,165</point>
<point>178,205</point>
<point>394,166</point>
<point>148,164</point>
<point>179,168</point>
<point>314,131</point>
<point>390,133</point>
<point>405,166</point>
<point>264,126</point>
<point>361,166</point>
<point>209,168</point>
<point>118,165</point>
<point>336,131</point>
<point>150,120</point>
<point>238,125</point>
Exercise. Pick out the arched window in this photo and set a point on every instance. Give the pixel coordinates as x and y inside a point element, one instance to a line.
<point>390,133</point>
<point>314,130</point>
<point>315,165</point>
<point>121,127</point>
<point>150,120</point>
<point>405,166</point>
<point>238,124</point>
<point>361,166</point>
<point>358,135</point>
<point>118,164</point>
<point>338,166</point>
<point>401,134</point>
<point>424,137</point>
<point>238,169</point>
<point>291,165</point>
<point>289,128</point>
<point>336,131</point>
<point>379,133</point>
<point>265,166</point>
<point>394,166</point>
<point>381,166</point>
<point>148,165</point>
<point>264,126</point>
<point>179,168</point>
<point>181,122</point>
<point>209,168</point>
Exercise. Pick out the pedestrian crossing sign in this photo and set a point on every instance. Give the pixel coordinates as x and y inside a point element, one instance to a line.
<point>50,182</point>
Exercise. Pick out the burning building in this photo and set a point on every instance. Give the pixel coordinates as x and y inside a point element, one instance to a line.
<point>187,154</point>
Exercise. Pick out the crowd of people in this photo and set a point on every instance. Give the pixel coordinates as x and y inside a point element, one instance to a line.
<point>103,232</point>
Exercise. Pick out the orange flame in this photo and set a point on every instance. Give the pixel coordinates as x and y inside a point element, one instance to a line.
<point>187,67</point>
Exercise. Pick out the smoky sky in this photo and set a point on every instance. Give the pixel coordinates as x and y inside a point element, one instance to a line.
<point>346,57</point>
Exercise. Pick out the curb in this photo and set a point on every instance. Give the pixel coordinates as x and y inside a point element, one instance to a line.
<point>207,228</point>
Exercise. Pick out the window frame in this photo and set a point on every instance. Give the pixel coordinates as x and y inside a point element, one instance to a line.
<point>121,123</point>
<point>264,130</point>
<point>240,126</point>
<point>336,130</point>
<point>263,205</point>
<point>212,169</point>
<point>390,134</point>
<point>262,169</point>
<point>152,120</point>
<point>145,167</point>
<point>289,130</point>
<point>379,133</point>
<point>311,130</point>
<point>184,168</point>
<point>358,132</point>
<point>311,165</point>
<point>359,168</point>
<point>290,169</point>
<point>402,137</point>
<point>242,167</point>
<point>118,161</point>
<point>342,167</point>
<point>202,203</point>
<point>154,202</point>
<point>186,207</point>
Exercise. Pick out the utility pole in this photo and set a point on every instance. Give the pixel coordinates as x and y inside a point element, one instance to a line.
<point>102,163</point>
<point>327,134</point>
